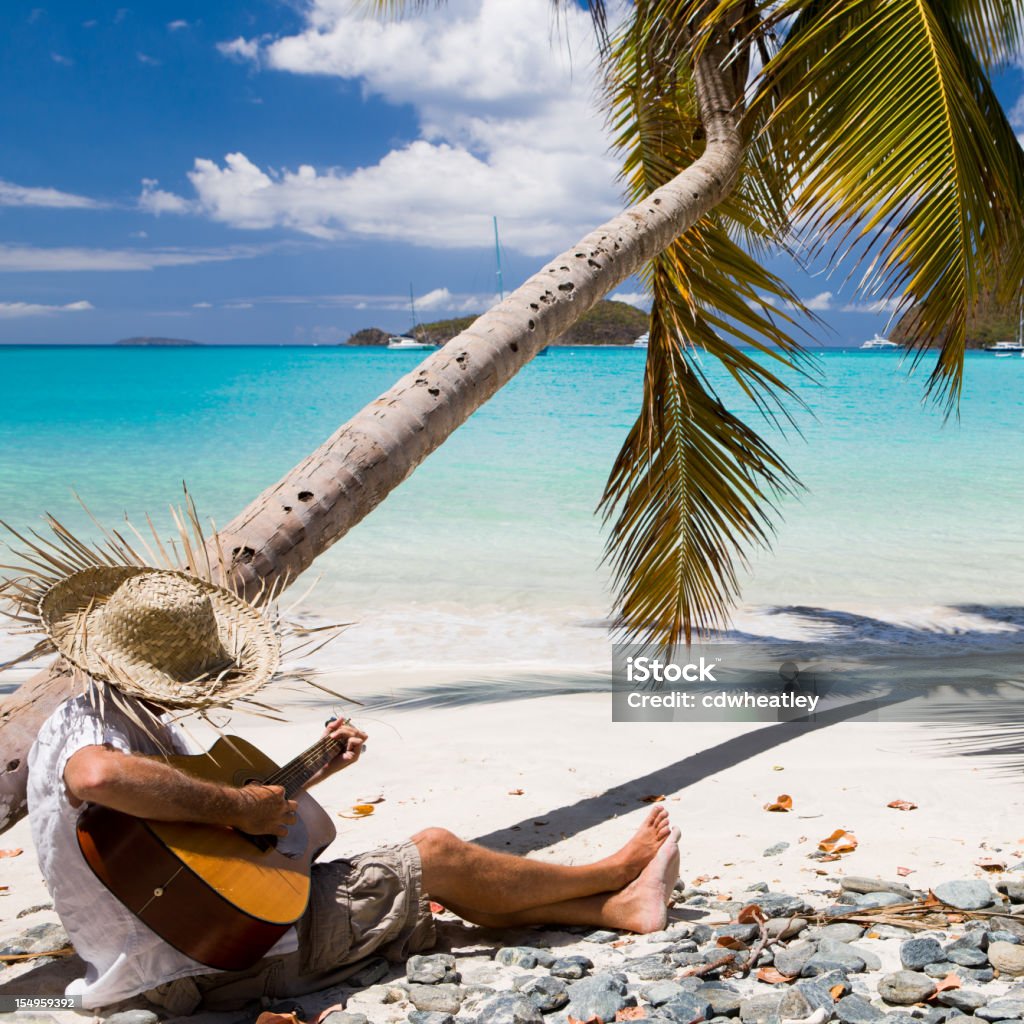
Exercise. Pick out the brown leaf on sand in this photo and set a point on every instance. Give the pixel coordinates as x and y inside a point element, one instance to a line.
<point>782,803</point>
<point>277,1018</point>
<point>516,792</point>
<point>731,942</point>
<point>836,991</point>
<point>653,798</point>
<point>750,914</point>
<point>991,864</point>
<point>840,841</point>
<point>358,811</point>
<point>902,805</point>
<point>324,1014</point>
<point>829,856</point>
<point>12,853</point>
<point>773,976</point>
<point>631,1013</point>
<point>590,1020</point>
<point>903,872</point>
<point>948,982</point>
<point>701,879</point>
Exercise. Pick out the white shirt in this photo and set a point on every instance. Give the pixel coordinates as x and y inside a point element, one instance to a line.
<point>122,955</point>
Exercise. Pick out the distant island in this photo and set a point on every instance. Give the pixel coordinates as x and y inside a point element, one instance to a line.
<point>608,323</point>
<point>988,323</point>
<point>162,342</point>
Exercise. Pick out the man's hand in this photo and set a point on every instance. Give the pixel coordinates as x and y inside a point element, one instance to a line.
<point>264,810</point>
<point>351,742</point>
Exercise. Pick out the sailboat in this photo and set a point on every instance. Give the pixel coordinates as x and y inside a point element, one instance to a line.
<point>1001,349</point>
<point>409,342</point>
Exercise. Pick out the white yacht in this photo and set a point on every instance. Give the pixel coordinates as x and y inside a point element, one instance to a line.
<point>878,343</point>
<point>1006,348</point>
<point>642,341</point>
<point>403,343</point>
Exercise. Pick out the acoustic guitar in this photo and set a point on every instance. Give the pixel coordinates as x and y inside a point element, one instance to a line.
<point>218,895</point>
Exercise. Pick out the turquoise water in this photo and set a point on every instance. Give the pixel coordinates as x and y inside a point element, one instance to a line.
<point>902,511</point>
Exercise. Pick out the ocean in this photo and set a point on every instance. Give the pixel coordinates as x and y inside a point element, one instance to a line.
<point>909,524</point>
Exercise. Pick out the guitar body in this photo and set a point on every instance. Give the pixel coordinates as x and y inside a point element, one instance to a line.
<point>211,892</point>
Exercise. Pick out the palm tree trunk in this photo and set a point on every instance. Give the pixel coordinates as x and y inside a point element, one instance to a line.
<point>291,523</point>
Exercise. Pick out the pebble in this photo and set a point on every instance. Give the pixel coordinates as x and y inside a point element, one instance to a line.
<point>341,1017</point>
<point>962,999</point>
<point>877,899</point>
<point>506,1008</point>
<point>758,886</point>
<point>823,963</point>
<point>602,995</point>
<point>967,894</point>
<point>134,1017</point>
<point>967,957</point>
<point>443,998</point>
<point>841,931</point>
<point>34,910</point>
<point>904,988</point>
<point>371,972</point>
<point>794,958</point>
<point>998,935</point>
<point>661,992</point>
<point>571,967</point>
<point>861,884</point>
<point>818,991</point>
<point>420,1017</point>
<point>857,1010</point>
<point>1013,890</point>
<point>916,954</point>
<point>785,927</point>
<point>831,948</point>
<point>777,904</point>
<point>601,937</point>
<point>40,938</point>
<point>1002,1009</point>
<point>432,969</point>
<point>688,1006</point>
<point>773,851</point>
<point>1007,958</point>
<point>517,956</point>
<point>724,999</point>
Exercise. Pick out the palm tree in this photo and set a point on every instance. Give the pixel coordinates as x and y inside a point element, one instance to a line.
<point>746,126</point>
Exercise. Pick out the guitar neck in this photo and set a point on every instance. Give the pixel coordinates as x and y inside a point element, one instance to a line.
<point>297,772</point>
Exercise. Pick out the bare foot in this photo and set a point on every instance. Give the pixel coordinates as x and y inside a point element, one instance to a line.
<point>643,847</point>
<point>641,906</point>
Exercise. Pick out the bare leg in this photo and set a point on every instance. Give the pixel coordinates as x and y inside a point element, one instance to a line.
<point>639,907</point>
<point>458,873</point>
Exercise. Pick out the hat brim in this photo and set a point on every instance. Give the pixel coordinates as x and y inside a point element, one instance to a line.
<point>70,607</point>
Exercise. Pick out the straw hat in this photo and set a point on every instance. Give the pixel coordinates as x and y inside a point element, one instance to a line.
<point>159,634</point>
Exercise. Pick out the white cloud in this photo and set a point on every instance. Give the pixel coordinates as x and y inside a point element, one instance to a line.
<point>24,195</point>
<point>13,310</point>
<point>59,58</point>
<point>508,127</point>
<point>874,308</point>
<point>439,298</point>
<point>145,58</point>
<point>639,299</point>
<point>27,258</point>
<point>238,305</point>
<point>202,305</point>
<point>177,25</point>
<point>156,201</point>
<point>820,303</point>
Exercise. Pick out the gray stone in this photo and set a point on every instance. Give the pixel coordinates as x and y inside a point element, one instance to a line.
<point>343,1017</point>
<point>773,851</point>
<point>966,894</point>
<point>857,1010</point>
<point>370,973</point>
<point>571,967</point>
<point>966,957</point>
<point>916,954</point>
<point>687,1006</point>
<point>760,1009</point>
<point>134,1017</point>
<point>420,1017</point>
<point>778,904</point>
<point>999,935</point>
<point>661,992</point>
<point>443,998</point>
<point>547,993</point>
<point>792,959</point>
<point>1001,1009</point>
<point>818,991</point>
<point>794,1005</point>
<point>983,975</point>
<point>602,995</point>
<point>941,969</point>
<point>40,938</point>
<point>841,931</point>
<point>683,946</point>
<point>785,927</point>
<point>822,963</point>
<point>877,899</point>
<point>969,940</point>
<point>743,932</point>
<point>724,999</point>
<point>601,937</point>
<point>861,884</point>
<point>899,1017</point>
<point>757,887</point>
<point>964,999</point>
<point>34,910</point>
<point>1013,890</point>
<point>904,988</point>
<point>1007,958</point>
<point>701,933</point>
<point>507,1008</point>
<point>516,956</point>
<point>432,969</point>
<point>832,948</point>
<point>650,968</point>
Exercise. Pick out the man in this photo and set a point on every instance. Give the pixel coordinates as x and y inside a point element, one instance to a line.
<point>156,640</point>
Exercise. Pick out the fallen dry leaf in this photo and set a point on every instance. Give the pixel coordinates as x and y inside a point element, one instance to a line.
<point>652,799</point>
<point>750,914</point>
<point>903,872</point>
<point>840,841</point>
<point>12,853</point>
<point>516,792</point>
<point>701,879</point>
<point>323,1014</point>
<point>990,864</point>
<point>836,992</point>
<point>829,856</point>
<point>731,942</point>
<point>379,799</point>
<point>782,803</point>
<point>358,811</point>
<point>948,982</point>
<point>902,805</point>
<point>267,1017</point>
<point>631,1013</point>
<point>589,1020</point>
<point>778,768</point>
<point>773,976</point>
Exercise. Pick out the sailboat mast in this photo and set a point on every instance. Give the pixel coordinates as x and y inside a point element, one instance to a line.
<point>412,309</point>
<point>497,256</point>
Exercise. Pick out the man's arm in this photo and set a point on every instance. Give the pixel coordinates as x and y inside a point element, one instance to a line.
<point>149,788</point>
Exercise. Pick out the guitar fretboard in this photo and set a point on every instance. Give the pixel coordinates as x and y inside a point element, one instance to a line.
<point>297,772</point>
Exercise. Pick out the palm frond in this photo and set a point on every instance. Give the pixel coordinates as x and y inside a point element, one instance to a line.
<point>901,154</point>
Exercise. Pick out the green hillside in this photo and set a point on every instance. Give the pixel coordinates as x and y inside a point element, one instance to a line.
<point>608,323</point>
<point>990,322</point>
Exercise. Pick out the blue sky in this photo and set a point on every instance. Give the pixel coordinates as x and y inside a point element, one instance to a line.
<point>281,172</point>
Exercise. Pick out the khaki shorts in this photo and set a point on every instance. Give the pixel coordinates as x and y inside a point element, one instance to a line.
<point>373,904</point>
